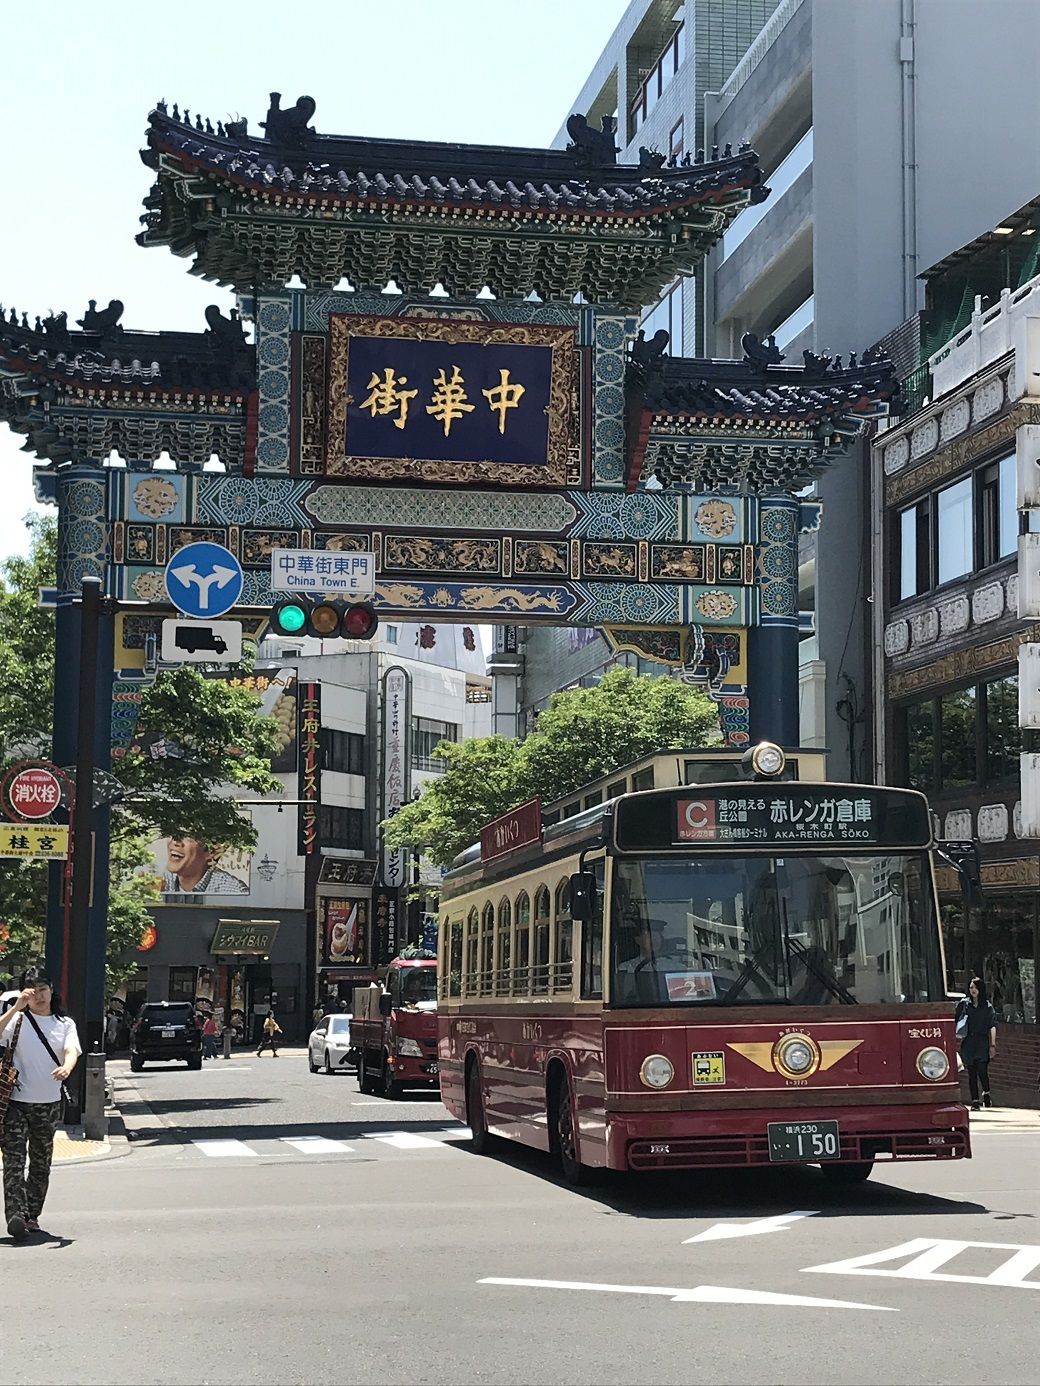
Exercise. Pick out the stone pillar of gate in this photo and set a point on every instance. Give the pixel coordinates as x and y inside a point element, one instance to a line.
<point>773,642</point>
<point>82,552</point>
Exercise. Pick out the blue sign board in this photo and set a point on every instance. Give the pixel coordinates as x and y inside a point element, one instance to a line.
<point>448,401</point>
<point>204,580</point>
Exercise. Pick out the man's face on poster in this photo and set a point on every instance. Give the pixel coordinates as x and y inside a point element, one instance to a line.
<point>189,859</point>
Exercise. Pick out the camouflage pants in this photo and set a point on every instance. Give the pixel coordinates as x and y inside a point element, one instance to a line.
<point>29,1129</point>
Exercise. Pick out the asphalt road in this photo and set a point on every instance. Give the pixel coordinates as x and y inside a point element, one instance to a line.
<point>323,1237</point>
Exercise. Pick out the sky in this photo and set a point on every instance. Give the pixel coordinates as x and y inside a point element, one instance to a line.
<point>74,108</point>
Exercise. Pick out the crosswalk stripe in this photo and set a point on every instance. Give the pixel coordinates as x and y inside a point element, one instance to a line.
<point>317,1145</point>
<point>405,1140</point>
<point>218,1149</point>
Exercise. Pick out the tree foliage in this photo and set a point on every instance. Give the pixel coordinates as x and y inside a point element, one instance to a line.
<point>27,645</point>
<point>213,736</point>
<point>582,734</point>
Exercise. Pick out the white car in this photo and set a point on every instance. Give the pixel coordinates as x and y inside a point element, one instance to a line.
<point>329,1045</point>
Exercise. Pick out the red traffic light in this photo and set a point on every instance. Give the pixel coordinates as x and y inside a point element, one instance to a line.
<point>359,621</point>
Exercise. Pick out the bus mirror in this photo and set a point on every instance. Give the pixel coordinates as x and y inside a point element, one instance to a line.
<point>583,893</point>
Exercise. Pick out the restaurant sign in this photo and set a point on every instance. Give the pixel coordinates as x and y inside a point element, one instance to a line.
<point>395,766</point>
<point>245,937</point>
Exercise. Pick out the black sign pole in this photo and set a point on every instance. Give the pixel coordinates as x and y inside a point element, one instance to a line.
<point>83,834</point>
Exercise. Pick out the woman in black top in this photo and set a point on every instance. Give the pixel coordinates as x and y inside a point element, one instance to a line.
<point>977,1027</point>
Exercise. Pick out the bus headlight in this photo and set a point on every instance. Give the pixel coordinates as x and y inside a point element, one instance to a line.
<point>656,1071</point>
<point>933,1064</point>
<point>767,759</point>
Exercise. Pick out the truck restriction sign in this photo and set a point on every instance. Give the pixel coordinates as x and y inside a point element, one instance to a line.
<point>34,792</point>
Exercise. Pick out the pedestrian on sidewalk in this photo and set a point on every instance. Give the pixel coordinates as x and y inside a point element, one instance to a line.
<point>271,1032</point>
<point>39,1031</point>
<point>977,1032</point>
<point>209,1038</point>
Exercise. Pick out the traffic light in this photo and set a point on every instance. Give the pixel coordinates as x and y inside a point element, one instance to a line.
<point>324,619</point>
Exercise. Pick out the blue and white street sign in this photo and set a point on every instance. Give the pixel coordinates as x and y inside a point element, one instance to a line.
<point>204,580</point>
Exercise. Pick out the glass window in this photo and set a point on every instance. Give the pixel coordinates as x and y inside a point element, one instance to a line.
<point>1009,967</point>
<point>343,751</point>
<point>487,950</point>
<point>1003,734</point>
<point>427,734</point>
<point>798,929</point>
<point>182,983</point>
<point>908,552</point>
<point>540,960</point>
<point>564,938</point>
<point>957,738</point>
<point>954,525</point>
<point>1008,508</point>
<point>644,779</point>
<point>592,943</point>
<point>391,635</point>
<point>919,730</point>
<point>472,943</point>
<point>505,950</point>
<point>341,827</point>
<point>455,958</point>
<point>418,985</point>
<point>522,948</point>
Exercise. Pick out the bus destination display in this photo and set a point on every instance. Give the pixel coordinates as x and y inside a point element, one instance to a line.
<point>768,814</point>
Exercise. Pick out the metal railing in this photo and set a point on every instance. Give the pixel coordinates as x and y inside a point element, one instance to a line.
<point>764,41</point>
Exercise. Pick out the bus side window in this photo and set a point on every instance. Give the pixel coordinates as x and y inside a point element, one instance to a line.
<point>522,950</point>
<point>563,971</point>
<point>443,969</point>
<point>470,987</point>
<point>487,951</point>
<point>455,959</point>
<point>592,944</point>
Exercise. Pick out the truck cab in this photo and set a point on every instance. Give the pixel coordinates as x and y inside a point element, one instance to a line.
<point>394,1028</point>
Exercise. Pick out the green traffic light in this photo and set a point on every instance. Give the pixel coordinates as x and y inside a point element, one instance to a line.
<point>292,619</point>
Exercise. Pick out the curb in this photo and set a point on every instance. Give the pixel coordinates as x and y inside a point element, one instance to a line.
<point>117,1142</point>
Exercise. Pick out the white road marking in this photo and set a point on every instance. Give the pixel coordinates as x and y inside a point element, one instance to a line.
<point>777,1223</point>
<point>317,1145</point>
<point>700,1294</point>
<point>218,1149</point>
<point>403,1140</point>
<point>929,1255</point>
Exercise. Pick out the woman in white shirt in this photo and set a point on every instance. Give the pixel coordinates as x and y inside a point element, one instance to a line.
<point>46,1048</point>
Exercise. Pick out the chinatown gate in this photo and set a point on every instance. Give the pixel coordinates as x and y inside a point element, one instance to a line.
<point>495,433</point>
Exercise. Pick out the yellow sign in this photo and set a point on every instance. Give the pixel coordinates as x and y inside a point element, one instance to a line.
<point>46,841</point>
<point>709,1068</point>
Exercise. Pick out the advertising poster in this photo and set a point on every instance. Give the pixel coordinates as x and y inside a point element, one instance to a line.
<point>386,905</point>
<point>188,866</point>
<point>344,933</point>
<point>310,766</point>
<point>396,778</point>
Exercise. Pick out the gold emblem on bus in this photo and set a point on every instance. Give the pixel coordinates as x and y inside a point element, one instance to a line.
<point>786,1054</point>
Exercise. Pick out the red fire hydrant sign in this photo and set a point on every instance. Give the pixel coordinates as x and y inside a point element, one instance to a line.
<point>31,791</point>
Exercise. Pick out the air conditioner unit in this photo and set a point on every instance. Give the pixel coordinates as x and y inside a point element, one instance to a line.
<point>1028,575</point>
<point>1027,451</point>
<point>1030,770</point>
<point>1029,687</point>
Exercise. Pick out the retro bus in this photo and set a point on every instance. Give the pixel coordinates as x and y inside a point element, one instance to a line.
<point>734,967</point>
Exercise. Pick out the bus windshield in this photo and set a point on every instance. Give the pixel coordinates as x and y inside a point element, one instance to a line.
<point>795,929</point>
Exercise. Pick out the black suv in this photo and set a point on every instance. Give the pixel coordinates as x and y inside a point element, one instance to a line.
<point>165,1030</point>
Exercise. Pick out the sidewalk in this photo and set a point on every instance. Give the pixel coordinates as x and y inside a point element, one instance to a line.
<point>1005,1119</point>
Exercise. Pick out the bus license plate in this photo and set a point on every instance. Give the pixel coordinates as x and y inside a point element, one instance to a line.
<point>168,1034</point>
<point>804,1140</point>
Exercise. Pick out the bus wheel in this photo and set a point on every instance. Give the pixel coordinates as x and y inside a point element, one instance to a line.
<point>848,1172</point>
<point>562,1133</point>
<point>480,1138</point>
<point>391,1087</point>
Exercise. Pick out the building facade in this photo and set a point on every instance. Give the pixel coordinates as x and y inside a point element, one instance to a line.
<point>305,916</point>
<point>957,615</point>
<point>860,117</point>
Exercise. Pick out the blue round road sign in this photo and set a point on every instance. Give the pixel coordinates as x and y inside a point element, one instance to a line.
<point>204,580</point>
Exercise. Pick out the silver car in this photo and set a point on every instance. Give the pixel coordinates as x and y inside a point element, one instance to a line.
<point>329,1046</point>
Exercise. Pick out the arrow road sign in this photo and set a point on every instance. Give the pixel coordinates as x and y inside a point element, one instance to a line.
<point>697,1294</point>
<point>204,580</point>
<point>201,642</point>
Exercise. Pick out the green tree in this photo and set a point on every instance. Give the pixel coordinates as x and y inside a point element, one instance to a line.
<point>213,735</point>
<point>27,645</point>
<point>582,734</point>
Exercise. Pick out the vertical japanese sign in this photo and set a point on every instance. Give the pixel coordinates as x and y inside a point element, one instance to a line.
<point>396,775</point>
<point>386,905</point>
<point>310,773</point>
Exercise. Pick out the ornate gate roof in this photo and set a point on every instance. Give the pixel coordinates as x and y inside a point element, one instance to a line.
<point>257,210</point>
